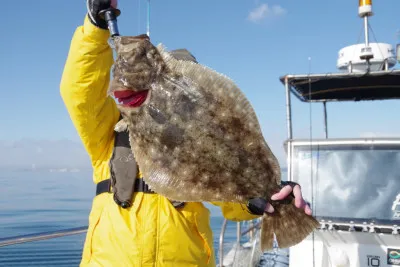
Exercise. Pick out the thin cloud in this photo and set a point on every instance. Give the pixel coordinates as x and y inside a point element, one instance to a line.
<point>263,11</point>
<point>278,10</point>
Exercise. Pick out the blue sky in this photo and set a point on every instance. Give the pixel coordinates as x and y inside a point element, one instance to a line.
<point>279,40</point>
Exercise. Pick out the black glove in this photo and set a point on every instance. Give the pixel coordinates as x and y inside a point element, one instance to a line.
<point>94,7</point>
<point>257,205</point>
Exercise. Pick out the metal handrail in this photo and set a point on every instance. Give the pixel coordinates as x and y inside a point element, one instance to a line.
<point>238,233</point>
<point>13,240</point>
<point>257,225</point>
<point>221,243</point>
<point>7,241</point>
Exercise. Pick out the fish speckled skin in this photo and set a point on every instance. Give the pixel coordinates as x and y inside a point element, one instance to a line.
<point>197,138</point>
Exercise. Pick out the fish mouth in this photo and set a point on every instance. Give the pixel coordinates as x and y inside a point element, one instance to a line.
<point>129,98</point>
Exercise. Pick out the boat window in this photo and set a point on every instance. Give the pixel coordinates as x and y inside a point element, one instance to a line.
<point>350,181</point>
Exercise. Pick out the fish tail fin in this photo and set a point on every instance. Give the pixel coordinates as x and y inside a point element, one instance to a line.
<point>289,224</point>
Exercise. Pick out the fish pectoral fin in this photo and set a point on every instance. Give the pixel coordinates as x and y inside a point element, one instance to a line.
<point>121,126</point>
<point>290,225</point>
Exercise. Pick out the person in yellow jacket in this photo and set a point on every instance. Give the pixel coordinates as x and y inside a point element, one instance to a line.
<point>151,230</point>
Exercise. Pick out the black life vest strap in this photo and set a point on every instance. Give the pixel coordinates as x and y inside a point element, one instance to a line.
<point>140,186</point>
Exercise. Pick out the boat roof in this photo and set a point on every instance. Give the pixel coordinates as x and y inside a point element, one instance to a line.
<point>378,85</point>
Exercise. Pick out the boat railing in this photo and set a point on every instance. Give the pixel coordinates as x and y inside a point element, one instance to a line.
<point>13,240</point>
<point>8,241</point>
<point>251,231</point>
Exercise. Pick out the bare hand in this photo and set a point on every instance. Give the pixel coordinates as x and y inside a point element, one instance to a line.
<point>285,191</point>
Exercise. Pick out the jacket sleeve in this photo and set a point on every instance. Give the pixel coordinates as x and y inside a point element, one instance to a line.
<point>235,211</point>
<point>83,88</point>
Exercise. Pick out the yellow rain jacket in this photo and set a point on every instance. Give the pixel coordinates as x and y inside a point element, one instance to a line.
<point>152,232</point>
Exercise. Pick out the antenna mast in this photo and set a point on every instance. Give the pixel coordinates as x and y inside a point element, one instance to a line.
<point>366,57</point>
<point>365,11</point>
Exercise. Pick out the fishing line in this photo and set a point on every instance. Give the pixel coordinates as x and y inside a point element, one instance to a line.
<point>139,17</point>
<point>148,18</point>
<point>311,154</point>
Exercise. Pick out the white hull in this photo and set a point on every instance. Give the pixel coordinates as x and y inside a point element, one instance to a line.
<point>345,249</point>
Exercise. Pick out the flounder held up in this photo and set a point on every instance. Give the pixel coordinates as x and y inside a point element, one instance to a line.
<point>196,137</point>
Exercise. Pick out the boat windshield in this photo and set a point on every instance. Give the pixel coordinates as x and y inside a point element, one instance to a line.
<point>350,181</point>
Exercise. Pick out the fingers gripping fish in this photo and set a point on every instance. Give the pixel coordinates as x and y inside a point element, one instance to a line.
<point>196,137</point>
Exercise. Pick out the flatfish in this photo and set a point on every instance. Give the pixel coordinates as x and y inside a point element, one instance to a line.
<point>196,137</point>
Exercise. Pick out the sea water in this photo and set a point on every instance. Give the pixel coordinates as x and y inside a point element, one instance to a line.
<point>43,201</point>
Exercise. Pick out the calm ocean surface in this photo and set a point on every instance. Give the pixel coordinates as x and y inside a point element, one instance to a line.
<point>35,202</point>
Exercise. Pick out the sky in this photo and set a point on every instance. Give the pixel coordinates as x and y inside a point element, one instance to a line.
<point>252,42</point>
